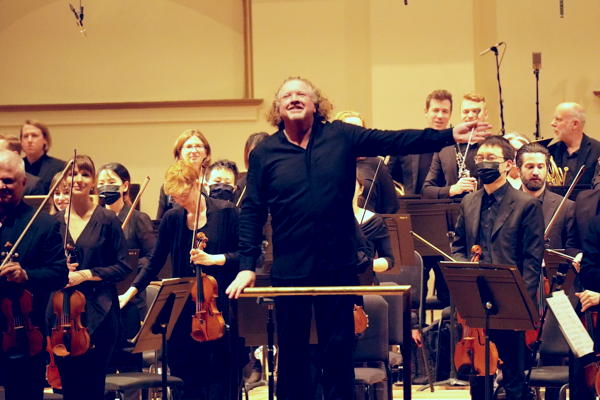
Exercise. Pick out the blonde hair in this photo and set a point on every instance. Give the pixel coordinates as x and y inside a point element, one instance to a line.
<point>323,106</point>
<point>180,177</point>
<point>477,98</point>
<point>184,136</point>
<point>344,115</point>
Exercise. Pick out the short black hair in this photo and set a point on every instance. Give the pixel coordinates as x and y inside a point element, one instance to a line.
<point>532,148</point>
<point>223,164</point>
<point>508,152</point>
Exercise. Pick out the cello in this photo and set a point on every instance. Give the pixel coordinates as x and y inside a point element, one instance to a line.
<point>469,352</point>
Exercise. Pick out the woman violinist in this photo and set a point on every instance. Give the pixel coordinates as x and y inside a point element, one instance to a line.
<point>100,251</point>
<point>60,196</point>
<point>113,186</point>
<point>203,366</point>
<point>191,146</point>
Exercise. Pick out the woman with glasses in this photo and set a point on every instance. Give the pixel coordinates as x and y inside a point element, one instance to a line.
<point>191,146</point>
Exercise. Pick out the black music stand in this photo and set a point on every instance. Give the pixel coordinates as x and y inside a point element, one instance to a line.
<point>503,299</point>
<point>552,261</point>
<point>160,320</point>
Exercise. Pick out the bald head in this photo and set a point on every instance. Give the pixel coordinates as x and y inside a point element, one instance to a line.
<point>568,122</point>
<point>12,180</point>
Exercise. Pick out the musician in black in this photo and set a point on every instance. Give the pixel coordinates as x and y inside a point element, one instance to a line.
<point>39,268</point>
<point>509,226</point>
<point>36,141</point>
<point>305,175</point>
<point>207,368</point>
<point>574,147</point>
<point>100,261</point>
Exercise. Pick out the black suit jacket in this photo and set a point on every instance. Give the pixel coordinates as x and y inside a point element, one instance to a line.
<point>33,186</point>
<point>589,151</point>
<point>563,234</point>
<point>405,170</point>
<point>443,172</point>
<point>517,234</point>
<point>586,207</point>
<point>590,265</point>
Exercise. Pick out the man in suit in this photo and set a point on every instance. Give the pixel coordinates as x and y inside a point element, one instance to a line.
<point>574,147</point>
<point>587,205</point>
<point>533,160</point>
<point>509,226</point>
<point>444,179</point>
<point>410,170</point>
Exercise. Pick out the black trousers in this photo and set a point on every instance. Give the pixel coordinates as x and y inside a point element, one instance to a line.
<point>83,376</point>
<point>335,331</point>
<point>23,378</point>
<point>511,350</point>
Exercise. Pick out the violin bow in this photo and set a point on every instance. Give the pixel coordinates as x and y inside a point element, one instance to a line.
<point>70,202</point>
<point>563,202</point>
<point>135,203</point>
<point>385,162</point>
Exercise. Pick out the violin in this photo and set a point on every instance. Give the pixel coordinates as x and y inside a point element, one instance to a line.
<point>20,338</point>
<point>69,336</point>
<point>207,322</point>
<point>52,373</point>
<point>469,352</point>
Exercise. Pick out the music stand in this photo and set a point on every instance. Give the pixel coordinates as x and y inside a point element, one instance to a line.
<point>504,301</point>
<point>160,320</point>
<point>552,261</point>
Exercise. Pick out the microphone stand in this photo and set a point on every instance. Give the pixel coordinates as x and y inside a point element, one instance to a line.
<point>536,72</point>
<point>495,50</point>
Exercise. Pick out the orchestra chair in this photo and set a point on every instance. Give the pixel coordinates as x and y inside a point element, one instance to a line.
<point>126,382</point>
<point>552,370</point>
<point>407,275</point>
<point>371,357</point>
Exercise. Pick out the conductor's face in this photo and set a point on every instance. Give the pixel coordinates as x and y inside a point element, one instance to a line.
<point>296,102</point>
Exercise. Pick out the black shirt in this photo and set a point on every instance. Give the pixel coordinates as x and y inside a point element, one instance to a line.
<point>45,168</point>
<point>489,210</point>
<point>139,234</point>
<point>101,248</point>
<point>587,154</point>
<point>309,194</point>
<point>40,253</point>
<point>383,199</point>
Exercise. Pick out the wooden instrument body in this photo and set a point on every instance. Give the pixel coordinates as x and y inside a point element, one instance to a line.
<point>69,336</point>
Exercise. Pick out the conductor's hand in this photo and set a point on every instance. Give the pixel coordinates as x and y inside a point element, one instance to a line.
<point>462,131</point>
<point>14,272</point>
<point>588,299</point>
<point>243,280</point>
<point>463,185</point>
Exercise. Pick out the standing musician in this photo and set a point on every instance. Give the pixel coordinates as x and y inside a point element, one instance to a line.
<point>100,252</point>
<point>445,179</point>
<point>39,268</point>
<point>533,161</point>
<point>509,226</point>
<point>113,184</point>
<point>191,146</point>
<point>60,196</point>
<point>36,141</point>
<point>221,179</point>
<point>574,147</point>
<point>410,170</point>
<point>305,176</point>
<point>204,366</point>
<point>251,142</point>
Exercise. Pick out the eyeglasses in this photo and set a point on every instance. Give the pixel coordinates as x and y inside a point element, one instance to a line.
<point>488,157</point>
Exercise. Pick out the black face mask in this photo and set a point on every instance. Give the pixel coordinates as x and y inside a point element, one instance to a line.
<point>488,171</point>
<point>222,191</point>
<point>109,194</point>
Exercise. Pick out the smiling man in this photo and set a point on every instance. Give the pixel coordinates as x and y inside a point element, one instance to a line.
<point>305,175</point>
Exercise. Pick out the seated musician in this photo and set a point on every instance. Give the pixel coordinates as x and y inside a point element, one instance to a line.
<point>36,141</point>
<point>221,179</point>
<point>203,366</point>
<point>39,268</point>
<point>509,226</point>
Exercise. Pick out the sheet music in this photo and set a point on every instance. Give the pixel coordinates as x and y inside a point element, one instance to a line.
<point>576,335</point>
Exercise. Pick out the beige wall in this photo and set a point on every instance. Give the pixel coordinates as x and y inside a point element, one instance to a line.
<point>378,57</point>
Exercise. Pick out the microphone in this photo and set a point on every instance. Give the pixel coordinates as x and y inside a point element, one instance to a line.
<point>494,48</point>
<point>536,59</point>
